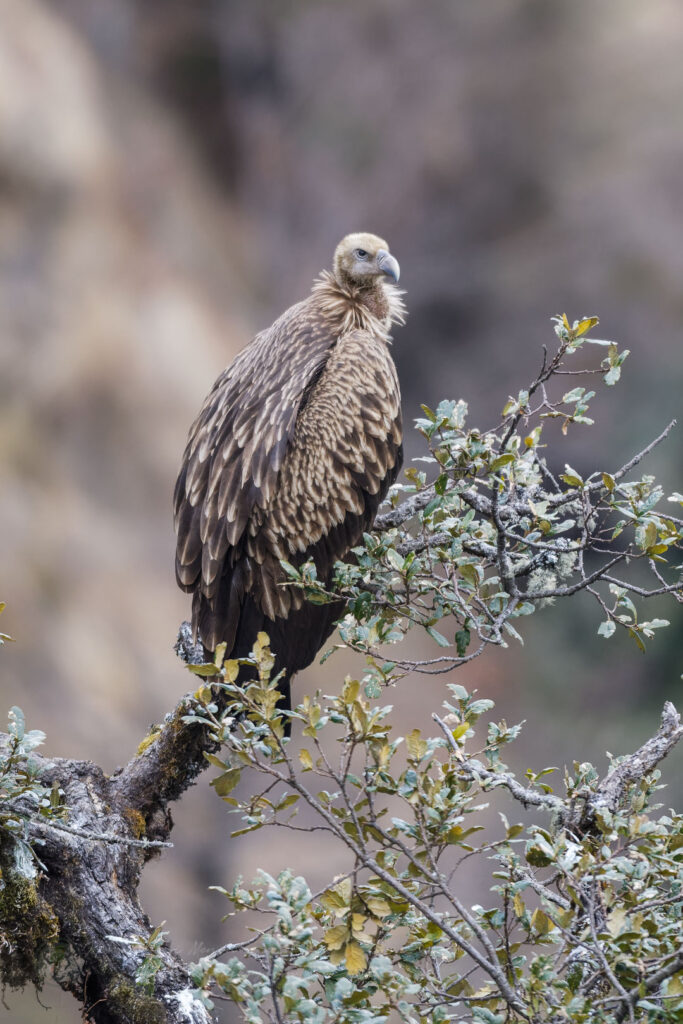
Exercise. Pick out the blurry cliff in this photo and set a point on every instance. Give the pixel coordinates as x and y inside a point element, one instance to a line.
<point>172,176</point>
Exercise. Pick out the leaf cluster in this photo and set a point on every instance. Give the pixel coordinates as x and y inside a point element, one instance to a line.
<point>583,923</point>
<point>491,530</point>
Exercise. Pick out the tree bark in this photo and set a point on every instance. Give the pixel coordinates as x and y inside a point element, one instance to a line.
<point>91,864</point>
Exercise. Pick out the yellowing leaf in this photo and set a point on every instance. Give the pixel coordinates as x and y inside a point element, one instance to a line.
<point>219,654</point>
<point>564,917</point>
<point>518,904</point>
<point>585,325</point>
<point>344,888</point>
<point>616,921</point>
<point>332,901</point>
<point>306,760</point>
<point>231,670</point>
<point>377,907</point>
<point>206,670</point>
<point>338,898</point>
<point>383,755</point>
<point>674,986</point>
<point>357,928</point>
<point>335,938</point>
<point>350,691</point>
<point>416,746</point>
<point>650,535</point>
<point>356,960</point>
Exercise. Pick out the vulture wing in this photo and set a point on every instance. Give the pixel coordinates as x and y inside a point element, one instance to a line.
<point>237,445</point>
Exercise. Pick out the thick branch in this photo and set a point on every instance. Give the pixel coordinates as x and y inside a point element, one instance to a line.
<point>631,769</point>
<point>92,861</point>
<point>610,792</point>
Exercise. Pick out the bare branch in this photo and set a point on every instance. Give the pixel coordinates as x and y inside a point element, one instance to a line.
<point>635,766</point>
<point>527,797</point>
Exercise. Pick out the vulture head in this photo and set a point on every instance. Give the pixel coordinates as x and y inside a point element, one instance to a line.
<point>362,260</point>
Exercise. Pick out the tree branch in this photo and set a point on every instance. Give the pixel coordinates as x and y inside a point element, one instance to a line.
<point>635,766</point>
<point>90,872</point>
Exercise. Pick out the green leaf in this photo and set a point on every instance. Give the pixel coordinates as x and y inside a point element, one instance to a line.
<point>215,761</point>
<point>225,783</point>
<point>502,460</point>
<point>290,799</point>
<point>462,640</point>
<point>17,725</point>
<point>439,637</point>
<point>469,573</point>
<point>571,477</point>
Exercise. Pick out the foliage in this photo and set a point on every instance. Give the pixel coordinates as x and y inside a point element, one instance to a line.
<point>28,927</point>
<point>583,923</point>
<point>22,794</point>
<point>584,919</point>
<point>499,532</point>
<point>151,963</point>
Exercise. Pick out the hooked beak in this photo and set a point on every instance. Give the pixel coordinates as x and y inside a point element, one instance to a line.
<point>388,265</point>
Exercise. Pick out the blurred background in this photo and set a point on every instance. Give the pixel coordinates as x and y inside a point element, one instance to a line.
<point>172,175</point>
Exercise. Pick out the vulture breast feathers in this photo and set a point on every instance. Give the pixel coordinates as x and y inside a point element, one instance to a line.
<point>289,458</point>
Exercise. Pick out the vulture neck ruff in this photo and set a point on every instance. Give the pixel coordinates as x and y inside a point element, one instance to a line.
<point>349,308</point>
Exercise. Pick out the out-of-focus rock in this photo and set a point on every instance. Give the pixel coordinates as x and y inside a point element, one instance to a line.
<point>121,276</point>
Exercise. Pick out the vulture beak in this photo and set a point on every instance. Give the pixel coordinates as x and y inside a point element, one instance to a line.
<point>388,265</point>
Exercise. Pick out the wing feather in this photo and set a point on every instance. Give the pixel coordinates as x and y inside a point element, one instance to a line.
<point>344,454</point>
<point>233,457</point>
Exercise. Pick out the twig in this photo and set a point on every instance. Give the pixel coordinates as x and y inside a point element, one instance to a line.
<point>527,797</point>
<point>649,985</point>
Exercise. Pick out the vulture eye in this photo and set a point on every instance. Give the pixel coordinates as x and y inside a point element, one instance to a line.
<point>361,254</point>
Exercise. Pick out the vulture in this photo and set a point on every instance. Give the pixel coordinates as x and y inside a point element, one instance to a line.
<point>289,459</point>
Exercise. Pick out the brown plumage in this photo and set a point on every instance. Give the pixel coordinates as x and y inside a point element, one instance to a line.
<point>294,449</point>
